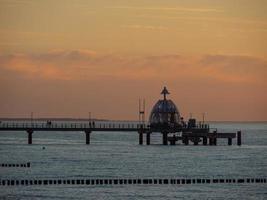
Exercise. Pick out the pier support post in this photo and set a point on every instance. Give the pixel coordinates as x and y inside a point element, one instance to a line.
<point>210,140</point>
<point>173,141</point>
<point>229,141</point>
<point>215,141</point>
<point>148,138</point>
<point>186,140</point>
<point>30,132</point>
<point>205,140</point>
<point>87,136</point>
<point>165,138</point>
<point>195,142</point>
<point>239,138</point>
<point>140,137</point>
<point>213,138</point>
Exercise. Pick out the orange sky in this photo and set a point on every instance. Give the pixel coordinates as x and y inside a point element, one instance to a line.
<point>66,58</point>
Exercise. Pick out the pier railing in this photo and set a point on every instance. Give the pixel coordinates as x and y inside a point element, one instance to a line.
<point>85,125</point>
<point>97,125</point>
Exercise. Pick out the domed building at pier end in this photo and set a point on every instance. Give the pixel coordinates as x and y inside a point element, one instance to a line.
<point>164,113</point>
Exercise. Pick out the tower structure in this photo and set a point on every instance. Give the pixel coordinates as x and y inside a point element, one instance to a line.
<point>164,114</point>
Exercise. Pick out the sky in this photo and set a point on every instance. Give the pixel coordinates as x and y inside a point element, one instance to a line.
<point>65,58</point>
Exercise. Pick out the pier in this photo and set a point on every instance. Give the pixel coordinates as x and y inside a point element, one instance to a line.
<point>164,118</point>
<point>196,135</point>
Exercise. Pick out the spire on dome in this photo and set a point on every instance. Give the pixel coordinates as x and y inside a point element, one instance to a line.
<point>165,92</point>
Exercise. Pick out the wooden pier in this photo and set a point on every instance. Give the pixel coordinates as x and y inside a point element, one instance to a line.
<point>164,118</point>
<point>200,133</point>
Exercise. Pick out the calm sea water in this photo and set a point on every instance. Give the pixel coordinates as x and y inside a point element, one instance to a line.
<point>118,155</point>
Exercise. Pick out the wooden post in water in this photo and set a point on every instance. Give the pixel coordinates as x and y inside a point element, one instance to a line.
<point>239,138</point>
<point>215,141</point>
<point>214,137</point>
<point>205,140</point>
<point>148,138</point>
<point>140,137</point>
<point>165,138</point>
<point>173,140</point>
<point>186,140</point>
<point>87,136</point>
<point>229,141</point>
<point>30,132</point>
<point>211,140</point>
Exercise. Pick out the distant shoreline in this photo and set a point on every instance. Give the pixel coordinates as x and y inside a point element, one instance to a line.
<point>84,119</point>
<point>52,119</point>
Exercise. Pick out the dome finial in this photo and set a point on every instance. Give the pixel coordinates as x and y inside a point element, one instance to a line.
<point>165,92</point>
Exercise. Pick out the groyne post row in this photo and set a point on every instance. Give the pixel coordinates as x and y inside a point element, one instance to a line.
<point>149,181</point>
<point>15,165</point>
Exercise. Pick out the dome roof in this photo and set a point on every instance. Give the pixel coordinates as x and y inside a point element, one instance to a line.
<point>164,112</point>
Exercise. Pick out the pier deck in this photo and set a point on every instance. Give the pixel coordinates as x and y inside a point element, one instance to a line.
<point>196,134</point>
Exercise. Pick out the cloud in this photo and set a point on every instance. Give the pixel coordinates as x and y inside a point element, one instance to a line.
<point>233,23</point>
<point>179,9</point>
<point>235,68</point>
<point>85,64</point>
<point>147,27</point>
<point>15,2</point>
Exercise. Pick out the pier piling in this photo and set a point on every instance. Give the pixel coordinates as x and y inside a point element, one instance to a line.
<point>229,141</point>
<point>165,138</point>
<point>30,132</point>
<point>148,138</point>
<point>215,141</point>
<point>210,140</point>
<point>239,138</point>
<point>205,140</point>
<point>186,140</point>
<point>87,136</point>
<point>140,137</point>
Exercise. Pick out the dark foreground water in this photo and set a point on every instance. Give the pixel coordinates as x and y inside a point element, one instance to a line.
<point>118,155</point>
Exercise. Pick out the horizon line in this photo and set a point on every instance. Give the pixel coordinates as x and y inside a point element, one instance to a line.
<point>99,119</point>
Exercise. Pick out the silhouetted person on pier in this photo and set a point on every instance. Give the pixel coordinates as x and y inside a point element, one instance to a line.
<point>93,124</point>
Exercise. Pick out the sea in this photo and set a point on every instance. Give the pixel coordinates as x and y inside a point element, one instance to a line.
<point>64,155</point>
